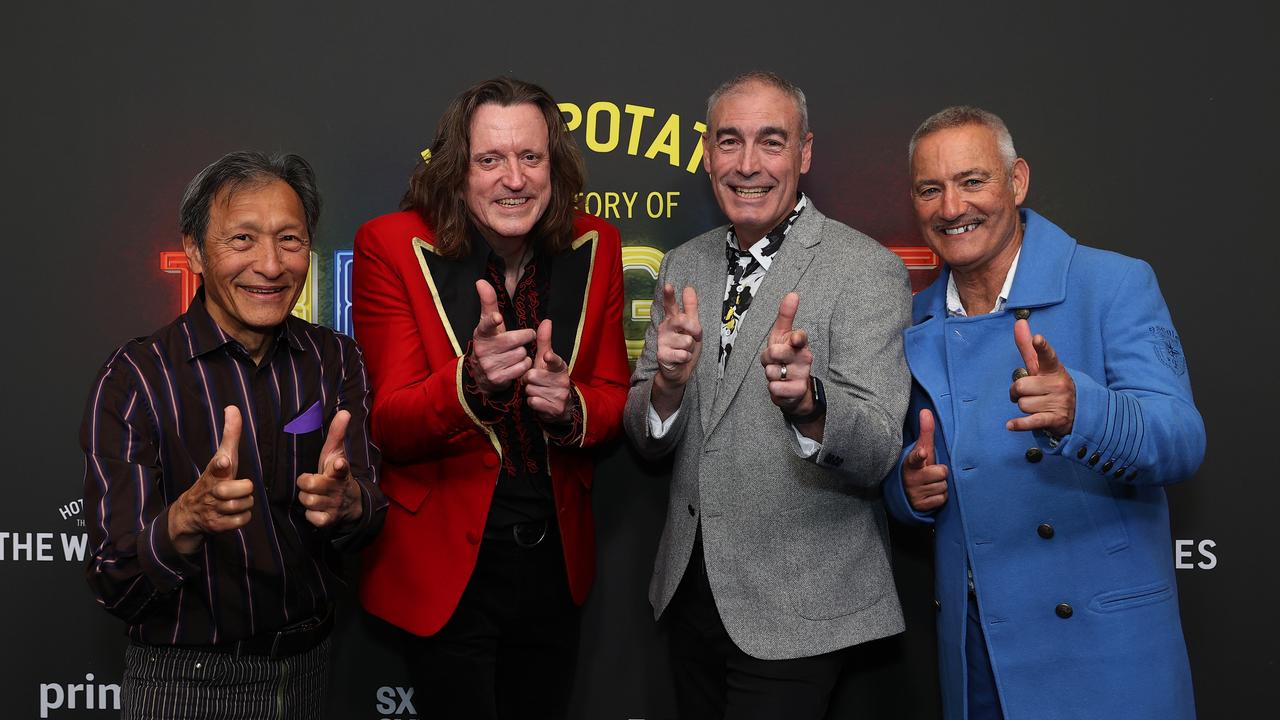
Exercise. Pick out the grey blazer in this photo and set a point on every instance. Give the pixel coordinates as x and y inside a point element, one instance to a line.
<point>796,549</point>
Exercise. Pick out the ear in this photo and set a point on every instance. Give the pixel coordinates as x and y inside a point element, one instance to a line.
<point>706,152</point>
<point>806,153</point>
<point>1021,180</point>
<point>195,258</point>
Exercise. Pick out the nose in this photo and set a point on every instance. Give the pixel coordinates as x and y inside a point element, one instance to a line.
<point>748,161</point>
<point>952,204</point>
<point>269,263</point>
<point>513,176</point>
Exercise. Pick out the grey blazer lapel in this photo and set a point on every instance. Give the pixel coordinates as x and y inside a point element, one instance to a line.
<point>709,279</point>
<point>788,266</point>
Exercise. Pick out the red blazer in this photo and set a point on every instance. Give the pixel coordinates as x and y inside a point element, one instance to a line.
<point>414,313</point>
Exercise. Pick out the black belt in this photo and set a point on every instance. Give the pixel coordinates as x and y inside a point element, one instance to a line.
<point>525,534</point>
<point>286,642</point>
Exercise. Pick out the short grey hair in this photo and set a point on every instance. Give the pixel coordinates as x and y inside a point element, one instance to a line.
<point>238,169</point>
<point>773,80</point>
<point>959,116</point>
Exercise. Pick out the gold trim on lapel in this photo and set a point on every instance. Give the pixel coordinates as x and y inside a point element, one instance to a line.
<point>592,237</point>
<point>419,245</point>
<point>462,399</point>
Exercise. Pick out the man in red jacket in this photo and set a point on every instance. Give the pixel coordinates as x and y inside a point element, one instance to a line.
<point>490,311</point>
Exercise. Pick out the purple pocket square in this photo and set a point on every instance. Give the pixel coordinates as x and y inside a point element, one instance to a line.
<point>308,421</point>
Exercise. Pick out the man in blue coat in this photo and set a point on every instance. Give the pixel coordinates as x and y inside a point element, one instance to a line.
<point>1051,404</point>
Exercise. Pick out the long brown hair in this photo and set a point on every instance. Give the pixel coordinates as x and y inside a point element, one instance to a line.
<point>437,188</point>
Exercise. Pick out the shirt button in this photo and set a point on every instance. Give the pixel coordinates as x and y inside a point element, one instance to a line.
<point>1034,455</point>
<point>692,511</point>
<point>937,604</point>
<point>1064,611</point>
<point>1022,313</point>
<point>1045,531</point>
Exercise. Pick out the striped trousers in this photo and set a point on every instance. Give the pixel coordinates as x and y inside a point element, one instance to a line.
<point>175,683</point>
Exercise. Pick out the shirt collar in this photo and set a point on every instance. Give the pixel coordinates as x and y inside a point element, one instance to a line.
<point>207,336</point>
<point>766,247</point>
<point>955,308</point>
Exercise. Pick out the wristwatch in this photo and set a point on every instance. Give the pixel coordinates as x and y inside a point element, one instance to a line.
<point>819,404</point>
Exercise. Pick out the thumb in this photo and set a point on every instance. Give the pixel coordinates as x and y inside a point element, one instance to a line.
<point>490,316</point>
<point>923,454</point>
<point>335,440</point>
<point>1022,338</point>
<point>224,461</point>
<point>786,317</point>
<point>544,350</point>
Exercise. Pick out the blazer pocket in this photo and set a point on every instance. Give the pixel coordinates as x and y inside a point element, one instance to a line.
<point>839,561</point>
<point>1117,600</point>
<point>409,494</point>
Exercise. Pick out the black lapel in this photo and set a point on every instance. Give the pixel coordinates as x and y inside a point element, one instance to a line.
<point>453,285</point>
<point>571,276</point>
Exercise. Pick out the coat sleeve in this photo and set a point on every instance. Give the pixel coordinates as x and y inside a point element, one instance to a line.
<point>418,410</point>
<point>636,415</point>
<point>1138,424</point>
<point>866,378</point>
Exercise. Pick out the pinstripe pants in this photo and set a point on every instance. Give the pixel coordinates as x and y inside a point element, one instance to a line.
<point>174,683</point>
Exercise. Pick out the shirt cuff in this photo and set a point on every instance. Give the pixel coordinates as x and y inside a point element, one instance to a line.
<point>808,446</point>
<point>568,434</point>
<point>658,427</point>
<point>160,560</point>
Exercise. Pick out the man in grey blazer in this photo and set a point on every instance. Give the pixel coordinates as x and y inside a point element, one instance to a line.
<point>774,556</point>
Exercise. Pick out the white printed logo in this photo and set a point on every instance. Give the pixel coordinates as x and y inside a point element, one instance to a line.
<point>395,703</point>
<point>79,696</point>
<point>1186,552</point>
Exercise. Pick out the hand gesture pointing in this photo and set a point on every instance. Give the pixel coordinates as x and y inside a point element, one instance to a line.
<point>330,495</point>
<point>217,501</point>
<point>1047,393</point>
<point>924,481</point>
<point>498,355</point>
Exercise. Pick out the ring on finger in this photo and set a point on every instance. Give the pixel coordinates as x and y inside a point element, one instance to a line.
<point>783,374</point>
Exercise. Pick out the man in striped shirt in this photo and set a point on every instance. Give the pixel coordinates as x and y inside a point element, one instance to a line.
<point>227,458</point>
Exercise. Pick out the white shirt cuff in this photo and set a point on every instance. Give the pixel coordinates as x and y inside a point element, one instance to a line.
<point>808,446</point>
<point>658,427</point>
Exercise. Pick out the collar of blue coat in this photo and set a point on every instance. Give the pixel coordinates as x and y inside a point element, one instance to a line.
<point>1041,279</point>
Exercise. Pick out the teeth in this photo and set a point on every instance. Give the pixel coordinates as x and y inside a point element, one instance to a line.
<point>751,192</point>
<point>259,291</point>
<point>512,202</point>
<point>959,230</point>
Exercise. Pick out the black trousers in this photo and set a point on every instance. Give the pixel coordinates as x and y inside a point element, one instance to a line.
<point>715,679</point>
<point>510,648</point>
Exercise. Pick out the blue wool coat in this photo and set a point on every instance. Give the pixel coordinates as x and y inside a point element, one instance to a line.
<point>1079,528</point>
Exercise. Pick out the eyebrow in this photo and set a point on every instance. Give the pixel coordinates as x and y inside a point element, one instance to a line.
<point>763,132</point>
<point>972,171</point>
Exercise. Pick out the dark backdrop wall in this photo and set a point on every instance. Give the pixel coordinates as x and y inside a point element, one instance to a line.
<point>1147,128</point>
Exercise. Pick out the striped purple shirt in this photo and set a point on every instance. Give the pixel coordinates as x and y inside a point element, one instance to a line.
<point>153,421</point>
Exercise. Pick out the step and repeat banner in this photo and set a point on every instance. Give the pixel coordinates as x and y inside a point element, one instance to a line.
<point>1142,127</point>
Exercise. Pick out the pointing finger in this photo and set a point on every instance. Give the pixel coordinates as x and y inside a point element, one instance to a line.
<point>543,339</point>
<point>924,445</point>
<point>786,316</point>
<point>1022,338</point>
<point>224,460</point>
<point>669,307</point>
<point>490,316</point>
<point>335,440</point>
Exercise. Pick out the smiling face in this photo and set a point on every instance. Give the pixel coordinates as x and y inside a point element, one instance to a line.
<point>755,155</point>
<point>255,259</point>
<point>966,199</point>
<point>509,180</point>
